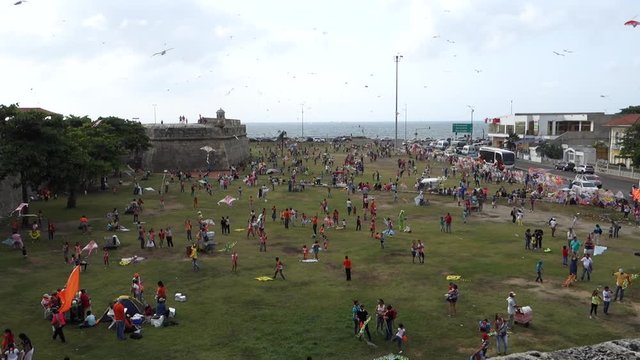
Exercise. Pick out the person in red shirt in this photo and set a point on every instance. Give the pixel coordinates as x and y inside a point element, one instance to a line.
<point>7,339</point>
<point>105,257</point>
<point>279,268</point>
<point>347,267</point>
<point>51,228</point>
<point>372,228</point>
<point>85,301</point>
<point>119,316</point>
<point>234,261</point>
<point>447,221</point>
<point>565,255</point>
<point>305,252</point>
<point>58,322</point>
<point>314,223</point>
<point>161,292</point>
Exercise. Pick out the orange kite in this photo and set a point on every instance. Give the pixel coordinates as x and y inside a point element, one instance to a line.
<point>70,290</point>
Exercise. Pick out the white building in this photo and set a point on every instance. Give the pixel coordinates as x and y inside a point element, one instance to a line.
<point>618,126</point>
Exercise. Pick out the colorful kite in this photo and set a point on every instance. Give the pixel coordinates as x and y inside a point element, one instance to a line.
<point>228,200</point>
<point>264,278</point>
<point>90,247</point>
<point>633,23</point>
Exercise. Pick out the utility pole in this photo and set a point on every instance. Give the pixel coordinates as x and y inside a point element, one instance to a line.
<point>472,110</point>
<point>397,59</point>
<point>154,112</point>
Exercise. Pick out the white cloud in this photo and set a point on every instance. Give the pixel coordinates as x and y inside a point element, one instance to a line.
<point>96,22</point>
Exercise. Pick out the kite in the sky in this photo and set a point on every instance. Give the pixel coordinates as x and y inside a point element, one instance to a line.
<point>557,53</point>
<point>20,2</point>
<point>633,23</point>
<point>163,52</point>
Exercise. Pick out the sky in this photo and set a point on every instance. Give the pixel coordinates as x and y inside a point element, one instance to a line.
<point>267,61</point>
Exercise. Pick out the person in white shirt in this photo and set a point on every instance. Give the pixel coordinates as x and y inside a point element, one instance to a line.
<point>11,353</point>
<point>553,224</point>
<point>587,266</point>
<point>89,321</point>
<point>512,306</point>
<point>606,299</point>
<point>399,337</point>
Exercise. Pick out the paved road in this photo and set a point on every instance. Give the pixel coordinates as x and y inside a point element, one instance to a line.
<point>613,183</point>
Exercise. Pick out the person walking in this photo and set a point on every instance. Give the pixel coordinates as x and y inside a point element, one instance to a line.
<point>512,306</point>
<point>622,281</point>
<point>595,301</point>
<point>587,267</point>
<point>279,268</point>
<point>354,317</point>
<point>447,222</point>
<point>452,298</point>
<point>539,271</point>
<point>502,338</point>
<point>400,337</point>
<point>194,258</point>
<point>380,310</point>
<point>363,316</point>
<point>606,299</point>
<point>347,267</point>
<point>234,261</point>
<point>390,316</point>
<point>414,251</point>
<point>421,251</point>
<point>169,235</point>
<point>58,322</point>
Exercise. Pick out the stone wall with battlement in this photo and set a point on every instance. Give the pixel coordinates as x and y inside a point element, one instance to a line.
<point>178,146</point>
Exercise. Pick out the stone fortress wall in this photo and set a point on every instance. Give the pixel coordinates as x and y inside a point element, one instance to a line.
<point>180,146</point>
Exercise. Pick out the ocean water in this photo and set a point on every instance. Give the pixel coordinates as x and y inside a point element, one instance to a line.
<point>423,129</point>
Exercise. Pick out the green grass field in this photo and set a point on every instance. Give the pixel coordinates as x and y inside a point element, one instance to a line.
<point>233,316</point>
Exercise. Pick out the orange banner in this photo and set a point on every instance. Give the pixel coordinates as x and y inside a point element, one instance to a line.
<point>70,290</point>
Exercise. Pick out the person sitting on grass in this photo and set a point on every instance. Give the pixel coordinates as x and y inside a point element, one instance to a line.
<point>89,320</point>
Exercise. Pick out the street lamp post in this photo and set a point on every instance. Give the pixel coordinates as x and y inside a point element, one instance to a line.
<point>154,112</point>
<point>472,110</point>
<point>397,59</point>
<point>405,123</point>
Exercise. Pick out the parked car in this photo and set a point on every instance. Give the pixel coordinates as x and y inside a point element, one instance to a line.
<point>580,186</point>
<point>565,166</point>
<point>584,169</point>
<point>590,178</point>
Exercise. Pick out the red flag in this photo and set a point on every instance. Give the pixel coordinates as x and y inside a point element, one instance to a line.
<point>70,290</point>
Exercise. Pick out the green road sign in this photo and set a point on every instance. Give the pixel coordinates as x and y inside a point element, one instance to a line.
<point>462,128</point>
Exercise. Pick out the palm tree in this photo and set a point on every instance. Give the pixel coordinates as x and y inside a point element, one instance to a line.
<point>511,141</point>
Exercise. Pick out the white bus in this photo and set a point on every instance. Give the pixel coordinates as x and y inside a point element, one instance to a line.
<point>497,156</point>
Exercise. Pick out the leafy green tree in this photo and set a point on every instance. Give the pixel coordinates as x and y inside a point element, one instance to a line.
<point>630,110</point>
<point>511,141</point>
<point>631,144</point>
<point>549,150</point>
<point>25,141</point>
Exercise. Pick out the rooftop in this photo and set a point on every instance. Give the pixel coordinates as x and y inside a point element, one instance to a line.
<point>624,120</point>
<point>37,109</point>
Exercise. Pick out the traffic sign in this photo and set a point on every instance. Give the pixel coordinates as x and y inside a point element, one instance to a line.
<point>462,128</point>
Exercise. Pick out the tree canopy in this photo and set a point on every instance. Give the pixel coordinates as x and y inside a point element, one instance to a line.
<point>634,109</point>
<point>631,144</point>
<point>64,154</point>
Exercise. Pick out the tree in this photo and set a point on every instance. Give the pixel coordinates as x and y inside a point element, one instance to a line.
<point>511,141</point>
<point>630,110</point>
<point>631,144</point>
<point>26,139</point>
<point>549,150</point>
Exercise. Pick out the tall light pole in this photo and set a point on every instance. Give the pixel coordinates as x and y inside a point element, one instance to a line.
<point>397,59</point>
<point>511,107</point>
<point>472,110</point>
<point>302,118</point>
<point>154,112</point>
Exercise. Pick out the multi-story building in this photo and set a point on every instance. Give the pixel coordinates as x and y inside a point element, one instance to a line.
<point>563,128</point>
<point>618,125</point>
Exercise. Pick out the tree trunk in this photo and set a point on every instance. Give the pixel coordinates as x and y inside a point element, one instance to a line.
<point>71,200</point>
<point>25,199</point>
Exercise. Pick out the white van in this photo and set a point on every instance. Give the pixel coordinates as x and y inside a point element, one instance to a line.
<point>442,144</point>
<point>469,150</point>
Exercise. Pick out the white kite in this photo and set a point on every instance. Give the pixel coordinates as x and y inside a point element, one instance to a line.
<point>228,200</point>
<point>90,247</point>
